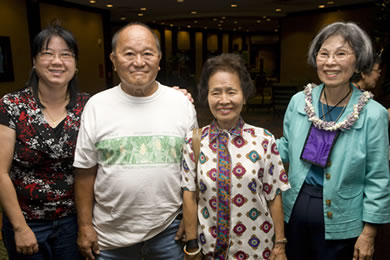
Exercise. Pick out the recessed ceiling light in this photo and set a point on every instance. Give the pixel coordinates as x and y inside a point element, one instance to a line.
<point>330,2</point>
<point>140,14</point>
<point>205,27</point>
<point>123,18</point>
<point>223,17</point>
<point>268,19</point>
<point>219,25</point>
<point>278,10</point>
<point>92,1</point>
<point>264,17</point>
<point>143,9</point>
<point>195,21</point>
<point>109,5</point>
<point>239,28</point>
<point>234,29</point>
<point>221,21</point>
<point>321,6</point>
<point>162,23</point>
<point>215,19</point>
<point>235,22</point>
<point>276,30</point>
<point>193,12</point>
<point>234,5</point>
<point>180,1</point>
<point>258,21</point>
<point>171,25</point>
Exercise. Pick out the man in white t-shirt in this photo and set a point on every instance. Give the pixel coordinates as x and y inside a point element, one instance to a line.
<point>128,155</point>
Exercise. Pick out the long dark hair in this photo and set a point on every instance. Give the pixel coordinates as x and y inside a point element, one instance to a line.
<point>40,42</point>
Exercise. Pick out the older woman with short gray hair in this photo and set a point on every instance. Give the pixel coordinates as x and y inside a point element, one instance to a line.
<point>335,140</point>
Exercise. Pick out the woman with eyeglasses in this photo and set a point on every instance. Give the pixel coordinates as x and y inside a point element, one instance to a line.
<point>335,140</point>
<point>38,130</point>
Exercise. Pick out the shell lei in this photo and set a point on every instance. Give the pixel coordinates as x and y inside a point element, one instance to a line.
<point>331,125</point>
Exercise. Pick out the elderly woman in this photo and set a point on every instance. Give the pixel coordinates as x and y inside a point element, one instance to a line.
<point>335,140</point>
<point>239,175</point>
<point>38,131</point>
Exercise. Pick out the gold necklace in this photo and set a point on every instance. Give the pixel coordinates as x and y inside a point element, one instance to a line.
<point>52,119</point>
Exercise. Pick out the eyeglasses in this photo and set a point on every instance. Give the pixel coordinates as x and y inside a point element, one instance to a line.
<point>49,55</point>
<point>337,56</point>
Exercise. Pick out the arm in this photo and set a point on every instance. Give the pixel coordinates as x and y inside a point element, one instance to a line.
<point>25,240</point>
<point>84,194</point>
<point>190,218</point>
<point>276,208</point>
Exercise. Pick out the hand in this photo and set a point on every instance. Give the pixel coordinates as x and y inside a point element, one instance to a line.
<point>364,247</point>
<point>25,240</point>
<point>88,242</point>
<point>181,234</point>
<point>185,92</point>
<point>278,252</point>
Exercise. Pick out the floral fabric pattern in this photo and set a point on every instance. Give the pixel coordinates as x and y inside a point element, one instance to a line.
<point>41,170</point>
<point>256,176</point>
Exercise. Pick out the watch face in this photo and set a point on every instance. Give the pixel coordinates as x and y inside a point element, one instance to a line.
<point>191,244</point>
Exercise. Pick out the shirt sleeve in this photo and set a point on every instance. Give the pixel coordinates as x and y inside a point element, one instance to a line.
<point>188,180</point>
<point>274,176</point>
<point>376,199</point>
<point>86,152</point>
<point>5,118</point>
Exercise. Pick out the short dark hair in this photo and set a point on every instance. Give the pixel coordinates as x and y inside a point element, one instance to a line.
<point>116,35</point>
<point>41,42</point>
<point>356,37</point>
<point>228,62</point>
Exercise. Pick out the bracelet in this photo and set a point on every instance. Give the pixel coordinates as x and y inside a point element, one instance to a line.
<point>193,253</point>
<point>281,241</point>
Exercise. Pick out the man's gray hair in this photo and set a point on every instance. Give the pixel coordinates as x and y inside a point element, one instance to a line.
<point>116,35</point>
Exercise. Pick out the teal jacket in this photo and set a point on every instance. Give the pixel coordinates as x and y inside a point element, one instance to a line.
<point>356,181</point>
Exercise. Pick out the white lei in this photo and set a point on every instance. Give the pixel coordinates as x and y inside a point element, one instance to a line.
<point>331,125</point>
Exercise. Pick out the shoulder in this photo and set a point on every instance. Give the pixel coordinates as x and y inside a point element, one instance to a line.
<point>375,110</point>
<point>17,97</point>
<point>255,131</point>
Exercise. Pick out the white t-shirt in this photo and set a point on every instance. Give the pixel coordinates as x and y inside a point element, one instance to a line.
<point>136,143</point>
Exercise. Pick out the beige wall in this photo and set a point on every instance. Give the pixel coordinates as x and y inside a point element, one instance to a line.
<point>87,27</point>
<point>13,23</point>
<point>297,33</point>
<point>198,53</point>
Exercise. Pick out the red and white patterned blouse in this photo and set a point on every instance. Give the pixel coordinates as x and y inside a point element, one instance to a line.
<point>41,170</point>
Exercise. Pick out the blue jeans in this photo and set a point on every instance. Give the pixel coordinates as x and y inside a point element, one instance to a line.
<point>56,239</point>
<point>161,247</point>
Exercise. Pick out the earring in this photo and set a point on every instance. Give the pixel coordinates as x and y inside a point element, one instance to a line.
<point>76,70</point>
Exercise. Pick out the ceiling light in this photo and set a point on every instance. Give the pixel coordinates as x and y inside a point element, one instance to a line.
<point>180,1</point>
<point>92,1</point>
<point>123,18</point>
<point>278,10</point>
<point>171,25</point>
<point>268,19</point>
<point>140,14</point>
<point>215,19</point>
<point>205,27</point>
<point>219,25</point>
<point>330,2</point>
<point>195,21</point>
<point>162,23</point>
<point>234,29</point>
<point>258,21</point>
<point>276,30</point>
<point>321,6</point>
<point>188,26</point>
<point>234,5</point>
<point>221,21</point>
<point>109,5</point>
<point>193,12</point>
<point>224,17</point>
<point>143,9</point>
<point>235,22</point>
<point>239,28</point>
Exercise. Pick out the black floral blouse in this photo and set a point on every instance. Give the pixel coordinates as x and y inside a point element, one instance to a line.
<point>42,170</point>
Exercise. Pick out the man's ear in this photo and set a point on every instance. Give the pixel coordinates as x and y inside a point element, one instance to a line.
<point>112,58</point>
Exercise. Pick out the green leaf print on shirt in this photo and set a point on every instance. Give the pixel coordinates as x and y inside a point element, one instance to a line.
<point>138,150</point>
